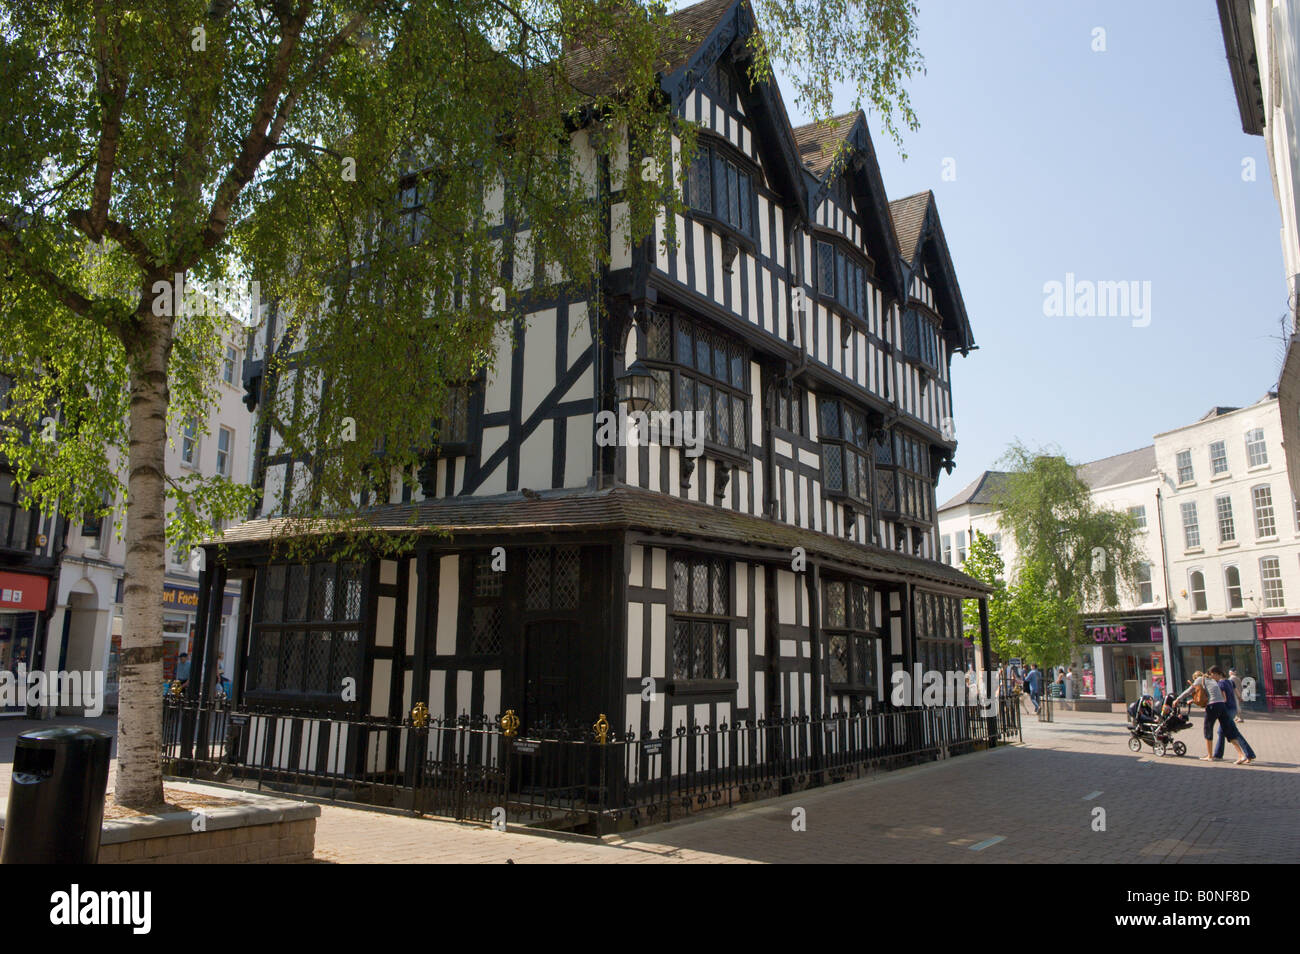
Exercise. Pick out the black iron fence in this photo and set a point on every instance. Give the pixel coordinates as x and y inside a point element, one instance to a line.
<point>591,780</point>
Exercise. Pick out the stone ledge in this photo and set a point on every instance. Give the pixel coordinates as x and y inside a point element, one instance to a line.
<point>261,829</point>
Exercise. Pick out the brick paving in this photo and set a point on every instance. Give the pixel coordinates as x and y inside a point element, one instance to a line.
<point>1022,803</point>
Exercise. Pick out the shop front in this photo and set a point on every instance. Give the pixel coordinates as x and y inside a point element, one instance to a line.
<point>1279,650</point>
<point>1128,658</point>
<point>180,605</point>
<point>22,601</point>
<point>1229,644</point>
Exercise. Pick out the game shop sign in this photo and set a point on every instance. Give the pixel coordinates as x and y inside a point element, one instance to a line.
<point>1144,632</point>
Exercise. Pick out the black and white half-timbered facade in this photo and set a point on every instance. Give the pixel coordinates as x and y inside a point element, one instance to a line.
<point>761,541</point>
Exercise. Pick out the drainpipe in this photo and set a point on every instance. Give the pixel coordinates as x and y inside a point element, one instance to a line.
<point>1172,676</point>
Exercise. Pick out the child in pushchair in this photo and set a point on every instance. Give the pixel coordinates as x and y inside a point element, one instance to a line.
<point>1156,727</point>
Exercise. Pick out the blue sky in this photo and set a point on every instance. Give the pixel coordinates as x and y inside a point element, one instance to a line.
<point>1116,165</point>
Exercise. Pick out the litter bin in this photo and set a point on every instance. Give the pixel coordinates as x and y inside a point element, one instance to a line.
<point>56,797</point>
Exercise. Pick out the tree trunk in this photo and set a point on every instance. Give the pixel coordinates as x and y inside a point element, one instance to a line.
<point>140,700</point>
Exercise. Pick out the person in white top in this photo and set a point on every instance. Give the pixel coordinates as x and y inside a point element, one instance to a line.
<point>1216,711</point>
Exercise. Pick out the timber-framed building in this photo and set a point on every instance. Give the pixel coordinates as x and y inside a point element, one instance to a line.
<point>786,570</point>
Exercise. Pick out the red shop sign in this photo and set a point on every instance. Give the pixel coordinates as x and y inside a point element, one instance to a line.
<point>22,591</point>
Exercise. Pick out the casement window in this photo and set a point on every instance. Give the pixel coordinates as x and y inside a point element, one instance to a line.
<point>1185,472</point>
<point>791,400</point>
<point>841,278</point>
<point>1191,529</point>
<point>1218,458</point>
<point>1256,449</point>
<point>414,196</point>
<point>486,590</point>
<point>718,84</point>
<point>1196,588</point>
<point>190,443</point>
<point>920,338</point>
<point>1223,510</point>
<point>1265,523</point>
<point>17,525</point>
<point>722,188</point>
<point>455,434</point>
<point>1232,587</point>
<point>913,490</point>
<point>850,635</point>
<point>228,362</point>
<point>939,637</point>
<point>307,631</point>
<point>225,443</point>
<point>701,626</point>
<point>1139,513</point>
<point>1270,575</point>
<point>698,369</point>
<point>946,540</point>
<point>553,575</point>
<point>1144,583</point>
<point>846,459</point>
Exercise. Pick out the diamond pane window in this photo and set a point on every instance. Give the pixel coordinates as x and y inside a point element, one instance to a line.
<point>537,589</point>
<point>566,577</point>
<point>295,599</point>
<point>701,628</point>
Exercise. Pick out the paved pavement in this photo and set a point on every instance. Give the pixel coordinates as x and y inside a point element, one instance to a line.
<point>1034,802</point>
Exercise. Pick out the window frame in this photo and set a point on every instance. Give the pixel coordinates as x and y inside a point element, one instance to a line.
<point>722,154</point>
<point>1190,529</point>
<point>1139,513</point>
<point>850,438</point>
<point>230,362</point>
<point>1183,462</point>
<point>859,632</point>
<point>1228,588</point>
<point>1265,512</point>
<point>1147,596</point>
<point>190,440</point>
<point>1265,580</point>
<point>851,276</point>
<point>1221,514</point>
<point>1219,458</point>
<point>1201,604</point>
<point>225,469</point>
<point>1259,443</point>
<point>692,618</point>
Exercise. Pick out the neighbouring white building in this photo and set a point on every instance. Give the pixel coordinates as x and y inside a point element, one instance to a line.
<point>85,627</point>
<point>1262,41</point>
<point>1221,532</point>
<point>1131,645</point>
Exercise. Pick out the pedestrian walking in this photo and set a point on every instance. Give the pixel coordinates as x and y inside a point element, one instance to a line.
<point>1230,704</point>
<point>1236,688</point>
<point>1204,690</point>
<point>1034,683</point>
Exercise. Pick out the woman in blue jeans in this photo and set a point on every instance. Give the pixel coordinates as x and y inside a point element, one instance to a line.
<point>1230,704</point>
<point>1216,711</point>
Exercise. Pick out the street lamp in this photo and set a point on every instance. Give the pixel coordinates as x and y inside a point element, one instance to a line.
<point>636,387</point>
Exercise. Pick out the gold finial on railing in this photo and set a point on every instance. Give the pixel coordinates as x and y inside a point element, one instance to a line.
<point>420,715</point>
<point>602,730</point>
<point>174,690</point>
<point>509,724</point>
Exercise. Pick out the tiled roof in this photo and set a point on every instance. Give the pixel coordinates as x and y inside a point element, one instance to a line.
<point>982,490</point>
<point>623,508</point>
<point>1119,469</point>
<point>909,217</point>
<point>691,25</point>
<point>818,142</point>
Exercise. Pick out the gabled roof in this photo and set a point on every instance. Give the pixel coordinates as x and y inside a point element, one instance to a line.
<point>921,243</point>
<point>624,508</point>
<point>982,490</point>
<point>819,146</point>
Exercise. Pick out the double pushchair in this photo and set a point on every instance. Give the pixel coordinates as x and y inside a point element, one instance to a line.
<point>1156,726</point>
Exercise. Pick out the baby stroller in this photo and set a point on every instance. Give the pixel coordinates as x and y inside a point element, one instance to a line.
<point>1156,727</point>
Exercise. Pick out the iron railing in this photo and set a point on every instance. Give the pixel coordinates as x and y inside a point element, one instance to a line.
<point>585,780</point>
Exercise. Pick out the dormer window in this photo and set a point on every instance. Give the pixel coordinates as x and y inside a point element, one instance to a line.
<point>841,278</point>
<point>720,187</point>
<point>920,338</point>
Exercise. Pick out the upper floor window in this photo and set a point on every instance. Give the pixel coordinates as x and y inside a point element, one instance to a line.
<point>190,443</point>
<point>1270,575</point>
<point>17,525</point>
<point>1185,472</point>
<point>1144,583</point>
<point>913,490</point>
<point>1265,524</point>
<point>719,85</point>
<point>997,543</point>
<point>228,362</point>
<point>1191,528</point>
<point>790,403</point>
<point>1139,513</point>
<point>846,460</point>
<point>1232,586</point>
<point>453,425</point>
<point>947,549</point>
<point>850,643</point>
<point>225,441</point>
<point>701,618</point>
<point>961,547</point>
<point>1218,458</point>
<point>698,370</point>
<point>413,197</point>
<point>1227,527</point>
<point>841,278</point>
<point>920,338</point>
<point>1197,585</point>
<point>722,188</point>
<point>1256,449</point>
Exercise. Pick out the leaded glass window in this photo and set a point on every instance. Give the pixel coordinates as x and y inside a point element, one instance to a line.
<point>701,623</point>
